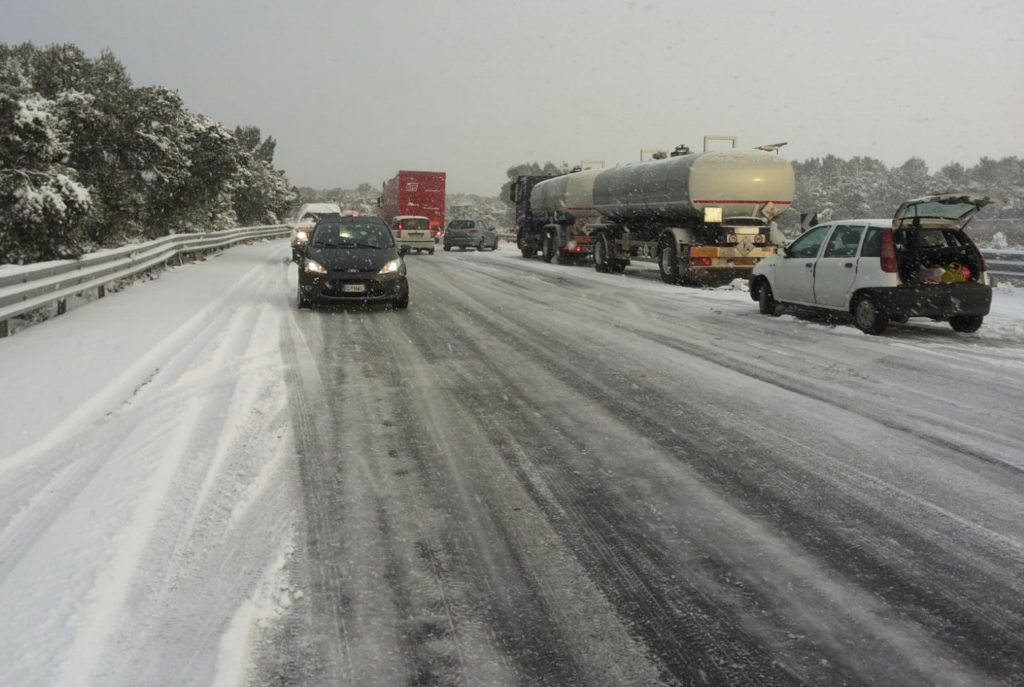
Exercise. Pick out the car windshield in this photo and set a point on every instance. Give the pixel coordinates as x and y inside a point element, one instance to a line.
<point>359,234</point>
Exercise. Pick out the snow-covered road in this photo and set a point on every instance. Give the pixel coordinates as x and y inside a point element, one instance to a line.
<point>537,474</point>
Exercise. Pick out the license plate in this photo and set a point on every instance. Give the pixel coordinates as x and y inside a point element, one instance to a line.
<point>354,288</point>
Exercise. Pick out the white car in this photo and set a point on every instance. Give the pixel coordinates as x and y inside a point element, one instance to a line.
<point>305,219</point>
<point>412,232</point>
<point>919,264</point>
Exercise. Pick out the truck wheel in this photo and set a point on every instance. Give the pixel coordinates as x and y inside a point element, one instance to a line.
<point>766,302</point>
<point>869,317</point>
<point>601,253</point>
<point>550,246</point>
<point>668,263</point>
<point>528,251</point>
<point>966,323</point>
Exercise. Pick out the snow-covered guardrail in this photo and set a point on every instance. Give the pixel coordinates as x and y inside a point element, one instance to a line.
<point>1005,263</point>
<point>25,290</point>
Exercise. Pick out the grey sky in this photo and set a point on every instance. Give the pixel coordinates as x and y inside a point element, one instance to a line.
<point>355,90</point>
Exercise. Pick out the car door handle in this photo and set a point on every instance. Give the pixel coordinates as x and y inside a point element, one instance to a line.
<point>808,264</point>
<point>849,264</point>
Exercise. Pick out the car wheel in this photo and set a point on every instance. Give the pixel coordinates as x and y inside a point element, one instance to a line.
<point>480,246</point>
<point>430,252</point>
<point>462,248</point>
<point>495,246</point>
<point>966,323</point>
<point>303,301</point>
<point>869,317</point>
<point>668,263</point>
<point>402,300</point>
<point>447,247</point>
<point>766,302</point>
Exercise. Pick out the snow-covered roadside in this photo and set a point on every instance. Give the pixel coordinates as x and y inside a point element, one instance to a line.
<point>144,497</point>
<point>1004,323</point>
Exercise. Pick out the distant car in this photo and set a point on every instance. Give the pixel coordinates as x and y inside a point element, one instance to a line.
<point>470,233</point>
<point>305,219</point>
<point>352,259</point>
<point>412,232</point>
<point>919,264</point>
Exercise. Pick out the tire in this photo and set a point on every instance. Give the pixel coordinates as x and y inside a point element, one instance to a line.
<point>304,302</point>
<point>447,248</point>
<point>495,246</point>
<point>766,302</point>
<point>966,323</point>
<point>869,317</point>
<point>602,252</point>
<point>462,248</point>
<point>480,246</point>
<point>668,262</point>
<point>430,252</point>
<point>550,249</point>
<point>402,301</point>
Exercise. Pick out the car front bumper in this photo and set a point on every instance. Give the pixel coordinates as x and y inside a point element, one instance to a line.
<point>352,286</point>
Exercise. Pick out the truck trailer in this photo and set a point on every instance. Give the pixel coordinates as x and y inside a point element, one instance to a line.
<point>703,217</point>
<point>415,193</point>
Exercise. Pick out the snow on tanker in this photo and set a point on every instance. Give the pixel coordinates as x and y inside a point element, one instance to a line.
<point>703,217</point>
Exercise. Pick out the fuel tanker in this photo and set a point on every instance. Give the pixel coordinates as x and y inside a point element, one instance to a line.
<point>703,217</point>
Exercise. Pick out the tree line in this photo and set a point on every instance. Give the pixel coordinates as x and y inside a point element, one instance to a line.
<point>87,160</point>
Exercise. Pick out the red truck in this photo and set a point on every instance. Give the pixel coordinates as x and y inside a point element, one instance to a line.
<point>415,193</point>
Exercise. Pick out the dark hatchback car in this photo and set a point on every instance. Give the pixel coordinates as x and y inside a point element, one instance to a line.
<point>352,259</point>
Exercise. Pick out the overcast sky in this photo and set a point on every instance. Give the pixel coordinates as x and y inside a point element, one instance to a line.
<point>355,90</point>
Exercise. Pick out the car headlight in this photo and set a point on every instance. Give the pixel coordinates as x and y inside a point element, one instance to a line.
<point>314,266</point>
<point>390,266</point>
<point>301,236</point>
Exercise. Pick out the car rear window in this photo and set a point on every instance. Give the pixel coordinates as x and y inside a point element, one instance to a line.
<point>414,224</point>
<point>461,224</point>
<point>872,247</point>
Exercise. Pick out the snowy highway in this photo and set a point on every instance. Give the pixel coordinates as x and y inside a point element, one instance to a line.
<point>536,475</point>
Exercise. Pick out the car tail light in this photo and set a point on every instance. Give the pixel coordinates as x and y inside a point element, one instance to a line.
<point>474,231</point>
<point>888,252</point>
<point>700,262</point>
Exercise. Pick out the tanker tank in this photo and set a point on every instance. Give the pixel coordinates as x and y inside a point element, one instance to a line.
<point>677,189</point>
<point>570,193</point>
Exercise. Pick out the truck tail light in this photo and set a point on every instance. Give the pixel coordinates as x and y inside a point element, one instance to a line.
<point>700,262</point>
<point>888,252</point>
<point>398,229</point>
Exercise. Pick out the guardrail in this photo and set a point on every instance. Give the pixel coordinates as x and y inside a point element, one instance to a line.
<point>1005,263</point>
<point>28,290</point>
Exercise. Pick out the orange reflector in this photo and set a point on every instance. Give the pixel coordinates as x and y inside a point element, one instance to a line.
<point>704,252</point>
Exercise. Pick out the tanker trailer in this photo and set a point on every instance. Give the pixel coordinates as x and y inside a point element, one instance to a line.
<point>561,210</point>
<point>703,217</point>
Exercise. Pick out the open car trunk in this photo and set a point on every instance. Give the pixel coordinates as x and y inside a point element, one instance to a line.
<point>931,244</point>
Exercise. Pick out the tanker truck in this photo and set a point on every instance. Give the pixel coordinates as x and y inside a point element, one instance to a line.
<point>704,218</point>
